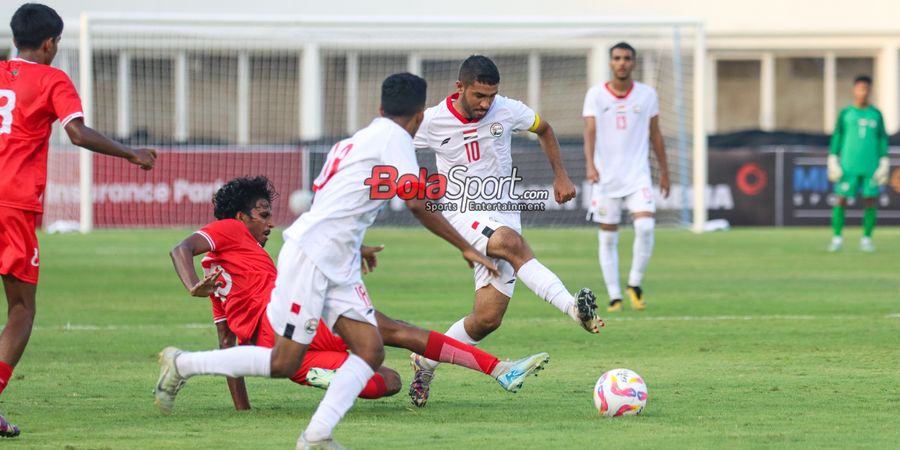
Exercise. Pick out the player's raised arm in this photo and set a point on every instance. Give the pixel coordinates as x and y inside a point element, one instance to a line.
<point>437,224</point>
<point>659,149</point>
<point>86,137</point>
<point>563,188</point>
<point>183,258</point>
<point>590,139</point>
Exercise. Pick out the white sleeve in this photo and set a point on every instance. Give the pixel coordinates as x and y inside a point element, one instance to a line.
<point>523,117</point>
<point>590,103</point>
<point>654,104</point>
<point>420,141</point>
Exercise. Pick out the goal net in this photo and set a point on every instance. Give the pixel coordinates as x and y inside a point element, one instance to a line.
<point>222,97</point>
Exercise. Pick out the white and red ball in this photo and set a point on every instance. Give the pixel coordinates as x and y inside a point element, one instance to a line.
<point>620,392</point>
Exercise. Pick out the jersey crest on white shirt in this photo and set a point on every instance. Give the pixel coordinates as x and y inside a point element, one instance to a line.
<point>331,232</point>
<point>621,149</point>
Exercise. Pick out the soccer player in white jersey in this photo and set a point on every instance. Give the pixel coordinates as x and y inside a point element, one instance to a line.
<point>319,269</point>
<point>621,118</point>
<point>472,128</point>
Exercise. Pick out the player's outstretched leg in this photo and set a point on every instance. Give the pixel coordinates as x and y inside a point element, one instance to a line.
<point>7,429</point>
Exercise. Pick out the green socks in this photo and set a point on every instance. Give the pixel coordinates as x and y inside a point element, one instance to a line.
<point>837,219</point>
<point>869,215</point>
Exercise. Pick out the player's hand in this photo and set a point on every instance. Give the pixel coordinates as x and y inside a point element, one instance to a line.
<point>369,260</point>
<point>144,157</point>
<point>664,185</point>
<point>881,173</point>
<point>834,169</point>
<point>473,257</point>
<point>592,175</point>
<point>563,189</point>
<point>208,285</point>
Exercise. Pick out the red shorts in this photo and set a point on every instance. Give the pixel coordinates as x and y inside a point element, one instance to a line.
<point>19,245</point>
<point>316,355</point>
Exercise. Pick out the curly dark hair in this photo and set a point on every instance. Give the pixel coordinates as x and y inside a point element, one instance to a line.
<point>241,195</point>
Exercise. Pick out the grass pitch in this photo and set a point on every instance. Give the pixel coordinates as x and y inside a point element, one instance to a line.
<point>752,338</point>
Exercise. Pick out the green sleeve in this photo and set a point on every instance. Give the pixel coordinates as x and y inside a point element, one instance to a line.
<point>838,135</point>
<point>883,142</point>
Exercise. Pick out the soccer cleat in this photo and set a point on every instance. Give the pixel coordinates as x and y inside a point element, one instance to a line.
<point>586,311</point>
<point>421,383</point>
<point>7,429</point>
<point>636,295</point>
<point>170,382</point>
<point>324,444</point>
<point>615,305</point>
<point>836,245</point>
<point>866,245</point>
<point>515,372</point>
<point>320,378</point>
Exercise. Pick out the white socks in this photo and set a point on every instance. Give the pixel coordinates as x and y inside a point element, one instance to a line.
<point>348,382</point>
<point>546,285</point>
<point>456,331</point>
<point>643,248</point>
<point>609,262</point>
<point>239,361</point>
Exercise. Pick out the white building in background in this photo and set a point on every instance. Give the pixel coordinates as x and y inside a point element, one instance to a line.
<point>771,64</point>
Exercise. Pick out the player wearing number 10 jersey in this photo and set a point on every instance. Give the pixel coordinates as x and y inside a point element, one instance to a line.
<point>33,95</point>
<point>473,128</point>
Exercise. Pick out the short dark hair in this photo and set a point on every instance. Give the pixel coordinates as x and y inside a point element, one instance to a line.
<point>863,79</point>
<point>33,23</point>
<point>403,94</point>
<point>624,46</point>
<point>478,68</point>
<point>241,195</point>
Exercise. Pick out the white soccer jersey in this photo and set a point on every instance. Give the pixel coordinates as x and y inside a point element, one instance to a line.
<point>621,149</point>
<point>331,232</point>
<point>482,146</point>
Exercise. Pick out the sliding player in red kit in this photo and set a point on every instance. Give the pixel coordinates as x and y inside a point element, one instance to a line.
<point>240,275</point>
<point>33,95</point>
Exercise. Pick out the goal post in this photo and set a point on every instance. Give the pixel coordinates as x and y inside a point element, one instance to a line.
<point>266,89</point>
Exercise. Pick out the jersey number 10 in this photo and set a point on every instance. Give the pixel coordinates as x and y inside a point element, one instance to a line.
<point>473,151</point>
<point>6,109</point>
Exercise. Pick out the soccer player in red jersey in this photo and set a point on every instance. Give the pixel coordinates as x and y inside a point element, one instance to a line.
<point>240,275</point>
<point>32,96</point>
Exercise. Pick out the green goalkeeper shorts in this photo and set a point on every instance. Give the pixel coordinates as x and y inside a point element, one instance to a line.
<point>851,185</point>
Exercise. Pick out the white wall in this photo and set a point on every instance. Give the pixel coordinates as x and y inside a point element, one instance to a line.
<point>721,16</point>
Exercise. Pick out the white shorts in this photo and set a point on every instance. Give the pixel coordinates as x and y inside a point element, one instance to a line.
<point>608,210</point>
<point>477,227</point>
<point>304,296</point>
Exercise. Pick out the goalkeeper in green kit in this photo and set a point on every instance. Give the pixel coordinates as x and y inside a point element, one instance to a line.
<point>858,162</point>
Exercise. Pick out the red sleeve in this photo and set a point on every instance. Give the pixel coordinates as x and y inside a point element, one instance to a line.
<point>64,100</point>
<point>218,309</point>
<point>222,234</point>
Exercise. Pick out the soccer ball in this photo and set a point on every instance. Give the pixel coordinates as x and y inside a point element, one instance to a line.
<point>300,201</point>
<point>620,392</point>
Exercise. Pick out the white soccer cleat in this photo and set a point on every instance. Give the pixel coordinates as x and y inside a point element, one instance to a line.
<point>324,444</point>
<point>420,386</point>
<point>514,373</point>
<point>319,377</point>
<point>836,245</point>
<point>170,382</point>
<point>866,245</point>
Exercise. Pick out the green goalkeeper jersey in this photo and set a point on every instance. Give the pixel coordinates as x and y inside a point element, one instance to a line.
<point>859,140</point>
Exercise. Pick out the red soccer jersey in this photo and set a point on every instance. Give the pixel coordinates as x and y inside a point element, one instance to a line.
<point>32,96</point>
<point>248,276</point>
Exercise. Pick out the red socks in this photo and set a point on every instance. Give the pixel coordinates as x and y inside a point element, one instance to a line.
<point>375,388</point>
<point>5,375</point>
<point>446,349</point>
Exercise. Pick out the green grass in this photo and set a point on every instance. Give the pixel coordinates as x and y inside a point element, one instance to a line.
<point>752,338</point>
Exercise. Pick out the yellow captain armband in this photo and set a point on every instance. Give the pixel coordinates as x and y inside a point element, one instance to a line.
<point>536,124</point>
